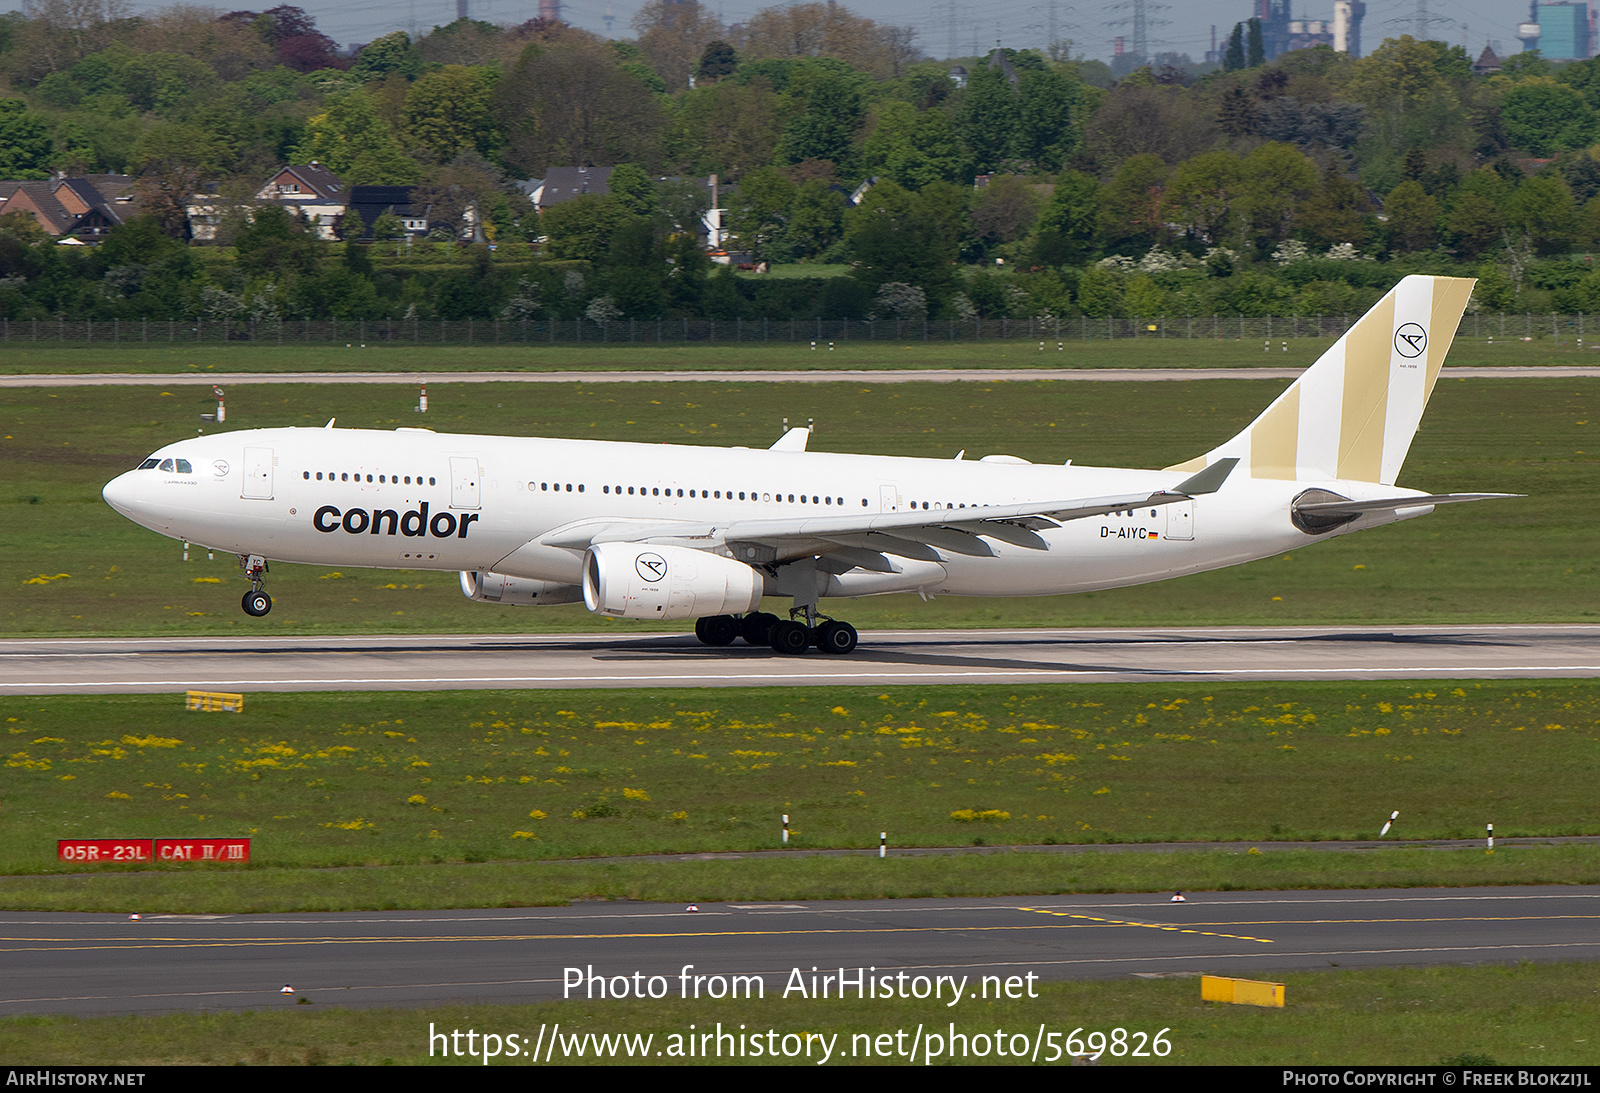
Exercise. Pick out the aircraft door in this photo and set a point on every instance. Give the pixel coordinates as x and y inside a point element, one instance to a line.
<point>888,499</point>
<point>1180,520</point>
<point>464,482</point>
<point>257,474</point>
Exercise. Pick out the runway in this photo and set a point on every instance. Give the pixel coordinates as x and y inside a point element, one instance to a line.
<point>690,375</point>
<point>630,659</point>
<point>81,964</point>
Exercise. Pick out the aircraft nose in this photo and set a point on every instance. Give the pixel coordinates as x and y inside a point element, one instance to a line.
<point>119,493</point>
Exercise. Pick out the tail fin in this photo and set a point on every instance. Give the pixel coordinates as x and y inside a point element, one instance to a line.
<point>1352,414</point>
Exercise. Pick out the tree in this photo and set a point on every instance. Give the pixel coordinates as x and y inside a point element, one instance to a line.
<point>1233,56</point>
<point>630,185</point>
<point>391,53</point>
<point>735,124</point>
<point>828,30</point>
<point>1543,213</point>
<point>275,244</point>
<point>1256,50</point>
<point>827,100</point>
<point>988,117</point>
<point>1005,210</point>
<point>1236,113</point>
<point>673,34</point>
<point>173,160</point>
<point>1543,117</point>
<point>898,236</point>
<point>1067,225</point>
<point>462,194</point>
<point>1201,195</point>
<point>913,147</point>
<point>583,227</point>
<point>570,104</point>
<point>447,113</point>
<point>1274,181</point>
<point>25,144</point>
<point>718,60</point>
<point>1413,217</point>
<point>759,213</point>
<point>351,225</point>
<point>1047,129</point>
<point>1340,213</point>
<point>352,140</point>
<point>1130,205</point>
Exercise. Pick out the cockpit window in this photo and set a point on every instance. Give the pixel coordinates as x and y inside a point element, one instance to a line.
<point>166,465</point>
<point>185,467</point>
<point>148,464</point>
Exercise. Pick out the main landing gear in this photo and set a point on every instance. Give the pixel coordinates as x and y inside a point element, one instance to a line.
<point>256,602</point>
<point>790,636</point>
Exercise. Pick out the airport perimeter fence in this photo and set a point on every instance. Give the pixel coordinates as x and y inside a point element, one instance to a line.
<point>531,332</point>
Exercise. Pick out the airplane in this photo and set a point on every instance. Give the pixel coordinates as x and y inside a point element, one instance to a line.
<point>663,531</point>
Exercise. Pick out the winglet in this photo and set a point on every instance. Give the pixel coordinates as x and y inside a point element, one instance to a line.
<point>1207,481</point>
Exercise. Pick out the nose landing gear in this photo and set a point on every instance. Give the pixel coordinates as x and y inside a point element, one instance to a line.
<point>256,602</point>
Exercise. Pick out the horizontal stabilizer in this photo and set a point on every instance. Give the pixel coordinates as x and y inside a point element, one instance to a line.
<point>1207,481</point>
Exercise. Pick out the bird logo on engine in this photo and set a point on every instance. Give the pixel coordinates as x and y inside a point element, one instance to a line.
<point>650,567</point>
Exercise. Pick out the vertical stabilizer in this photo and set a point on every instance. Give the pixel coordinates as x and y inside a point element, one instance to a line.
<point>1352,414</point>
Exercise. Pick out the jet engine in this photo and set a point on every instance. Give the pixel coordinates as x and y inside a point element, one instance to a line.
<point>640,581</point>
<point>498,588</point>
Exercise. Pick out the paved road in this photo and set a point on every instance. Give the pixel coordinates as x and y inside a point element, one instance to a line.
<point>857,375</point>
<point>79,963</point>
<point>432,662</point>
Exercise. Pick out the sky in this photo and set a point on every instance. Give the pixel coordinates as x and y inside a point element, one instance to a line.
<point>1182,27</point>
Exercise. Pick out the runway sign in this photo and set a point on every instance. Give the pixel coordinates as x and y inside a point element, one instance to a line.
<point>144,851</point>
<point>218,850</point>
<point>213,700</point>
<point>1241,992</point>
<point>104,851</point>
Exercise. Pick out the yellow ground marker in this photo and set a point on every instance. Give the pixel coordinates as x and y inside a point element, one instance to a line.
<point>213,700</point>
<point>1241,992</point>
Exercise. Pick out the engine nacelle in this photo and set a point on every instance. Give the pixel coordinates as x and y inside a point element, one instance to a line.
<point>498,588</point>
<point>638,581</point>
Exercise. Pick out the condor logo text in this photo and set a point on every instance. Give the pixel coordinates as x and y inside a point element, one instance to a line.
<point>413,523</point>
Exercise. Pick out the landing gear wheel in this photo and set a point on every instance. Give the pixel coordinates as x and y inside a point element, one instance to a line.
<point>716,629</point>
<point>256,603</point>
<point>836,637</point>
<point>791,638</point>
<point>756,627</point>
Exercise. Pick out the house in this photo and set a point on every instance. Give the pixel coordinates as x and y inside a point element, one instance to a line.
<point>372,202</point>
<point>77,209</point>
<point>313,191</point>
<point>562,184</point>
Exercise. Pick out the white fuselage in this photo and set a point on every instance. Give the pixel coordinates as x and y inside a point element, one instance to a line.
<point>415,499</point>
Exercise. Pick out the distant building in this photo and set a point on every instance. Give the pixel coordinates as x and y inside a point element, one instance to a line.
<point>1487,64</point>
<point>1564,31</point>
<point>371,202</point>
<point>1347,16</point>
<point>562,184</point>
<point>73,209</point>
<point>311,190</point>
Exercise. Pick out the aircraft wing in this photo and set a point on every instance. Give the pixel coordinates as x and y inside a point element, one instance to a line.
<point>864,538</point>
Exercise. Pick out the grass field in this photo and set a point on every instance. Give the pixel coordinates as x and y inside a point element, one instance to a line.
<point>439,778</point>
<point>70,565</point>
<point>209,890</point>
<point>1479,1016</point>
<point>23,357</point>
